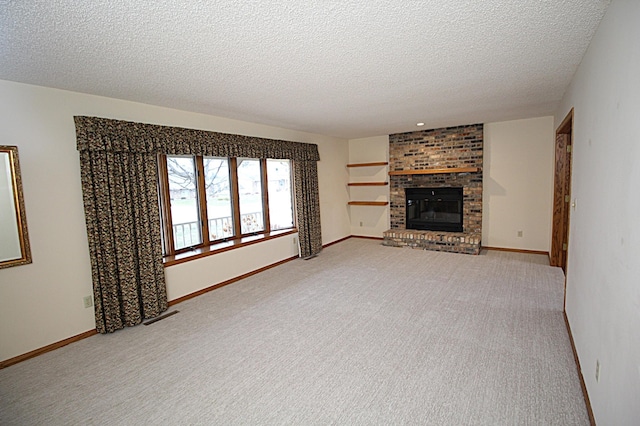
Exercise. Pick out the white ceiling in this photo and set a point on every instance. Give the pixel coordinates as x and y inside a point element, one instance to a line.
<point>346,68</point>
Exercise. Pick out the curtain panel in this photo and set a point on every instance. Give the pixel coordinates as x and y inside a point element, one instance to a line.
<point>123,228</point>
<point>305,176</point>
<point>119,172</point>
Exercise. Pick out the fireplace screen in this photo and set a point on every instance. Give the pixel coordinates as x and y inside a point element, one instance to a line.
<point>434,209</point>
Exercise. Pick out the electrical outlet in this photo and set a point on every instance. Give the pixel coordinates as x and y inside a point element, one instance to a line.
<point>361,224</point>
<point>519,233</point>
<point>88,302</point>
<point>295,241</point>
<point>597,370</point>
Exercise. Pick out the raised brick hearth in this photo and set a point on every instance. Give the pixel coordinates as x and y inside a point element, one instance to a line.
<point>448,148</point>
<point>456,242</point>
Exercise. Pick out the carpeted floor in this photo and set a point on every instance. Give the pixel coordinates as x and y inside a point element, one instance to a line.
<point>362,334</point>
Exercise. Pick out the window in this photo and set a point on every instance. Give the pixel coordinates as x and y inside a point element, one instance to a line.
<point>250,194</point>
<point>218,198</point>
<point>280,205</point>
<point>208,200</point>
<point>183,196</point>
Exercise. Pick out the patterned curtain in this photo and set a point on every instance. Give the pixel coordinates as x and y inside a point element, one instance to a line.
<point>123,227</point>
<point>118,161</point>
<point>308,207</point>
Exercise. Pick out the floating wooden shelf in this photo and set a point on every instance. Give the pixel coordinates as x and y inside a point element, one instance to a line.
<point>380,163</point>
<point>368,203</point>
<point>368,183</point>
<point>373,183</point>
<point>434,171</point>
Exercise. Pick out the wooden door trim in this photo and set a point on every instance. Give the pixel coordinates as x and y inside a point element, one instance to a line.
<point>559,203</point>
<point>566,126</point>
<point>562,180</point>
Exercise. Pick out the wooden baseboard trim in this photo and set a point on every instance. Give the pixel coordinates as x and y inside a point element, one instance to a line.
<point>367,237</point>
<point>65,342</point>
<point>592,419</point>
<point>546,253</point>
<point>335,242</point>
<point>248,274</point>
<point>352,236</point>
<point>229,281</point>
<point>45,349</point>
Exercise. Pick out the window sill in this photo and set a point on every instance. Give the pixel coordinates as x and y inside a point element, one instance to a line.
<point>224,246</point>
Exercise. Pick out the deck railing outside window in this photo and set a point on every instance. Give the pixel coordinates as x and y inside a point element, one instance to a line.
<point>188,234</point>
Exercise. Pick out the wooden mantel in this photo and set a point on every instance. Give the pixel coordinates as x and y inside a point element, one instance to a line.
<point>377,163</point>
<point>434,171</point>
<point>368,203</point>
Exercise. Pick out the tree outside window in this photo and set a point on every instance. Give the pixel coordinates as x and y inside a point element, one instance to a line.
<point>212,199</point>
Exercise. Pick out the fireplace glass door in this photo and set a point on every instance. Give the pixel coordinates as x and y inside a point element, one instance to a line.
<point>434,209</point>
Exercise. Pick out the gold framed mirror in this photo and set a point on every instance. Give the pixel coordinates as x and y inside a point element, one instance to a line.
<point>15,249</point>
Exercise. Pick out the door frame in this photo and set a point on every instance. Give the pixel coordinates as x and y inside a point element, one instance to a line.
<point>562,193</point>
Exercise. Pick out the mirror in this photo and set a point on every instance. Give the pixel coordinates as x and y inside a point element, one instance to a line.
<point>14,249</point>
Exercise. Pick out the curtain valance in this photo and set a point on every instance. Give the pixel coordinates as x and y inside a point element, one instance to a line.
<point>103,134</point>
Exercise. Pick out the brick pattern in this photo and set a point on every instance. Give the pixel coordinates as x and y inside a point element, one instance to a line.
<point>454,242</point>
<point>450,147</point>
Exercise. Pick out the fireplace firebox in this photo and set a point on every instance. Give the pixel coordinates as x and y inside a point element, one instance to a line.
<point>434,209</point>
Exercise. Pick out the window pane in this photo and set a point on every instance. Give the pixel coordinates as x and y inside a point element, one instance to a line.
<point>280,205</point>
<point>185,215</point>
<point>218,190</point>
<point>250,189</point>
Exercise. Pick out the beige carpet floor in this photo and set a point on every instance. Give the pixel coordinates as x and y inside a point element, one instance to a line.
<point>361,335</point>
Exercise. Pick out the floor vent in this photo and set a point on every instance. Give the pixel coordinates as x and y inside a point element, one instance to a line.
<point>161,317</point>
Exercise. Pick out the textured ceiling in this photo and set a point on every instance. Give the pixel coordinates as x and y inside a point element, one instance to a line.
<point>348,68</point>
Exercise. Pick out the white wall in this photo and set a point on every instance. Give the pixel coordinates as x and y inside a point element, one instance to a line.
<point>518,184</point>
<point>369,221</point>
<point>603,277</point>
<point>42,303</point>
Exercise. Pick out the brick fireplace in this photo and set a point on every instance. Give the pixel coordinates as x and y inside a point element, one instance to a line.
<point>448,157</point>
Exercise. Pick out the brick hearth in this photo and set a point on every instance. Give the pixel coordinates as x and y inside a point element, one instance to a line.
<point>452,147</point>
<point>455,242</point>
